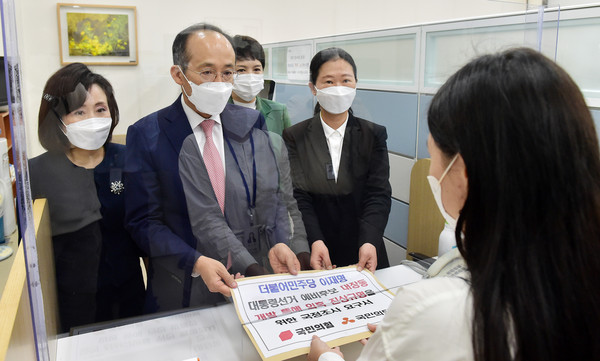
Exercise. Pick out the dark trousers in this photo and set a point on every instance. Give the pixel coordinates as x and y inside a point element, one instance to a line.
<point>76,258</point>
<point>121,301</point>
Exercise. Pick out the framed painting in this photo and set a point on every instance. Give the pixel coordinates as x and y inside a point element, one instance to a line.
<point>97,34</point>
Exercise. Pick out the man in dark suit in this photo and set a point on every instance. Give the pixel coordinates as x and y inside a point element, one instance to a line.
<point>156,212</point>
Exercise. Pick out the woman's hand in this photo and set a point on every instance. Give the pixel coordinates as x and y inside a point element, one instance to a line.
<point>367,257</point>
<point>319,256</point>
<point>372,328</point>
<point>318,347</point>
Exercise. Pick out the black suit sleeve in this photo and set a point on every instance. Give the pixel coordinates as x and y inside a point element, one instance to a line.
<point>377,193</point>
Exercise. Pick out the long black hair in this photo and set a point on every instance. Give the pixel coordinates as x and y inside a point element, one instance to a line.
<point>324,56</point>
<point>531,218</point>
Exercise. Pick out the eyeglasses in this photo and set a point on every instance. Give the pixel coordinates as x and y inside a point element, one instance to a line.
<point>209,75</point>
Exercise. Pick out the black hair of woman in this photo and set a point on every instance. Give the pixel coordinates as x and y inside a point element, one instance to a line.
<point>531,218</point>
<point>324,56</point>
<point>248,48</point>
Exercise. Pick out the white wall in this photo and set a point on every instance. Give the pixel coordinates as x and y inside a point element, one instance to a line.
<point>147,87</point>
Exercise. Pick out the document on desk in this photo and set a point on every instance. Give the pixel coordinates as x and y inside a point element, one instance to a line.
<point>281,313</point>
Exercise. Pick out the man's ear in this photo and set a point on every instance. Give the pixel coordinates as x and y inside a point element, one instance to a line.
<point>312,88</point>
<point>177,75</point>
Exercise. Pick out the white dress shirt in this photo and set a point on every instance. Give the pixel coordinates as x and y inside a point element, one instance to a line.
<point>217,131</point>
<point>427,320</point>
<point>251,105</point>
<point>335,142</point>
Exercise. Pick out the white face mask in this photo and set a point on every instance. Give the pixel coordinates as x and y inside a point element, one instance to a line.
<point>210,97</point>
<point>436,189</point>
<point>336,99</point>
<point>89,134</point>
<point>247,86</point>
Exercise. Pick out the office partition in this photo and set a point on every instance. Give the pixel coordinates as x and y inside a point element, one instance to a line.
<point>400,69</point>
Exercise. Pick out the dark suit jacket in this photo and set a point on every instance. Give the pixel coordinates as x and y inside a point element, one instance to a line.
<point>355,209</point>
<point>156,212</point>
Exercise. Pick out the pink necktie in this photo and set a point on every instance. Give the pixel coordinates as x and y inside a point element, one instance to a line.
<point>213,163</point>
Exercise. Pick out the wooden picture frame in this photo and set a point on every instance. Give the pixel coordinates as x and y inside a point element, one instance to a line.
<point>97,34</point>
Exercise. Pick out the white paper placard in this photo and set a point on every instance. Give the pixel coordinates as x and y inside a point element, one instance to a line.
<point>281,313</point>
<point>298,62</point>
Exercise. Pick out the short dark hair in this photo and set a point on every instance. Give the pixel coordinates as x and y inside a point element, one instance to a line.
<point>324,56</point>
<point>62,96</point>
<point>181,56</point>
<point>247,48</point>
<point>530,224</point>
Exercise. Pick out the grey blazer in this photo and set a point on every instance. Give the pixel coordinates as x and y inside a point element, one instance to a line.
<point>246,238</point>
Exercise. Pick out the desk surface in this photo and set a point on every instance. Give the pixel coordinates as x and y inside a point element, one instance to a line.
<point>209,334</point>
<point>6,264</point>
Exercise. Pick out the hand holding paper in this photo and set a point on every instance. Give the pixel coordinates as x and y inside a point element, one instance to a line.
<point>283,260</point>
<point>319,256</point>
<point>372,328</point>
<point>367,257</point>
<point>318,347</point>
<point>215,275</point>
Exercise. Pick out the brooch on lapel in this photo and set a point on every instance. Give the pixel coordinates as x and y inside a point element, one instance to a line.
<point>115,179</point>
<point>116,187</point>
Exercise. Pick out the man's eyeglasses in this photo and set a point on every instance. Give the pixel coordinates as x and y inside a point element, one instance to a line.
<point>209,75</point>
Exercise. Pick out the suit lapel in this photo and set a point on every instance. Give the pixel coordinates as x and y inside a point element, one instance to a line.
<point>319,156</point>
<point>263,106</point>
<point>175,125</point>
<point>349,149</point>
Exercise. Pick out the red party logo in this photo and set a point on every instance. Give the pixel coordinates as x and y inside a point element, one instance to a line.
<point>285,335</point>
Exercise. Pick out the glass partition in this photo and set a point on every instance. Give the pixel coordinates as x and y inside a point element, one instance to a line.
<point>576,53</point>
<point>267,69</point>
<point>447,50</point>
<point>45,340</point>
<point>383,60</point>
<point>398,69</point>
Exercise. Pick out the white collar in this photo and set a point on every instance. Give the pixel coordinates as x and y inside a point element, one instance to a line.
<point>329,130</point>
<point>251,105</point>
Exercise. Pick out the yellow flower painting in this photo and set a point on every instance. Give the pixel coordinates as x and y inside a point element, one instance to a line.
<point>98,34</point>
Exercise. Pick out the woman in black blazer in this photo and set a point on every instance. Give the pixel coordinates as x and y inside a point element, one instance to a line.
<point>340,171</point>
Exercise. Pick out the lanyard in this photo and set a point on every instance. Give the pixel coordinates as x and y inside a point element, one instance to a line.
<point>251,201</point>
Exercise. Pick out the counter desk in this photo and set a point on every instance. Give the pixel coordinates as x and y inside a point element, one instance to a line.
<point>6,264</point>
<point>207,334</point>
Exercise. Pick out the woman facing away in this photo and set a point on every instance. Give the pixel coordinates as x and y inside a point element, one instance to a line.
<point>515,161</point>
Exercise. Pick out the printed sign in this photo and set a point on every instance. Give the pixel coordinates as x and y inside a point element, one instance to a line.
<point>298,62</point>
<point>281,313</point>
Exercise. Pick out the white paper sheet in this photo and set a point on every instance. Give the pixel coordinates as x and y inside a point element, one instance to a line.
<point>181,336</point>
